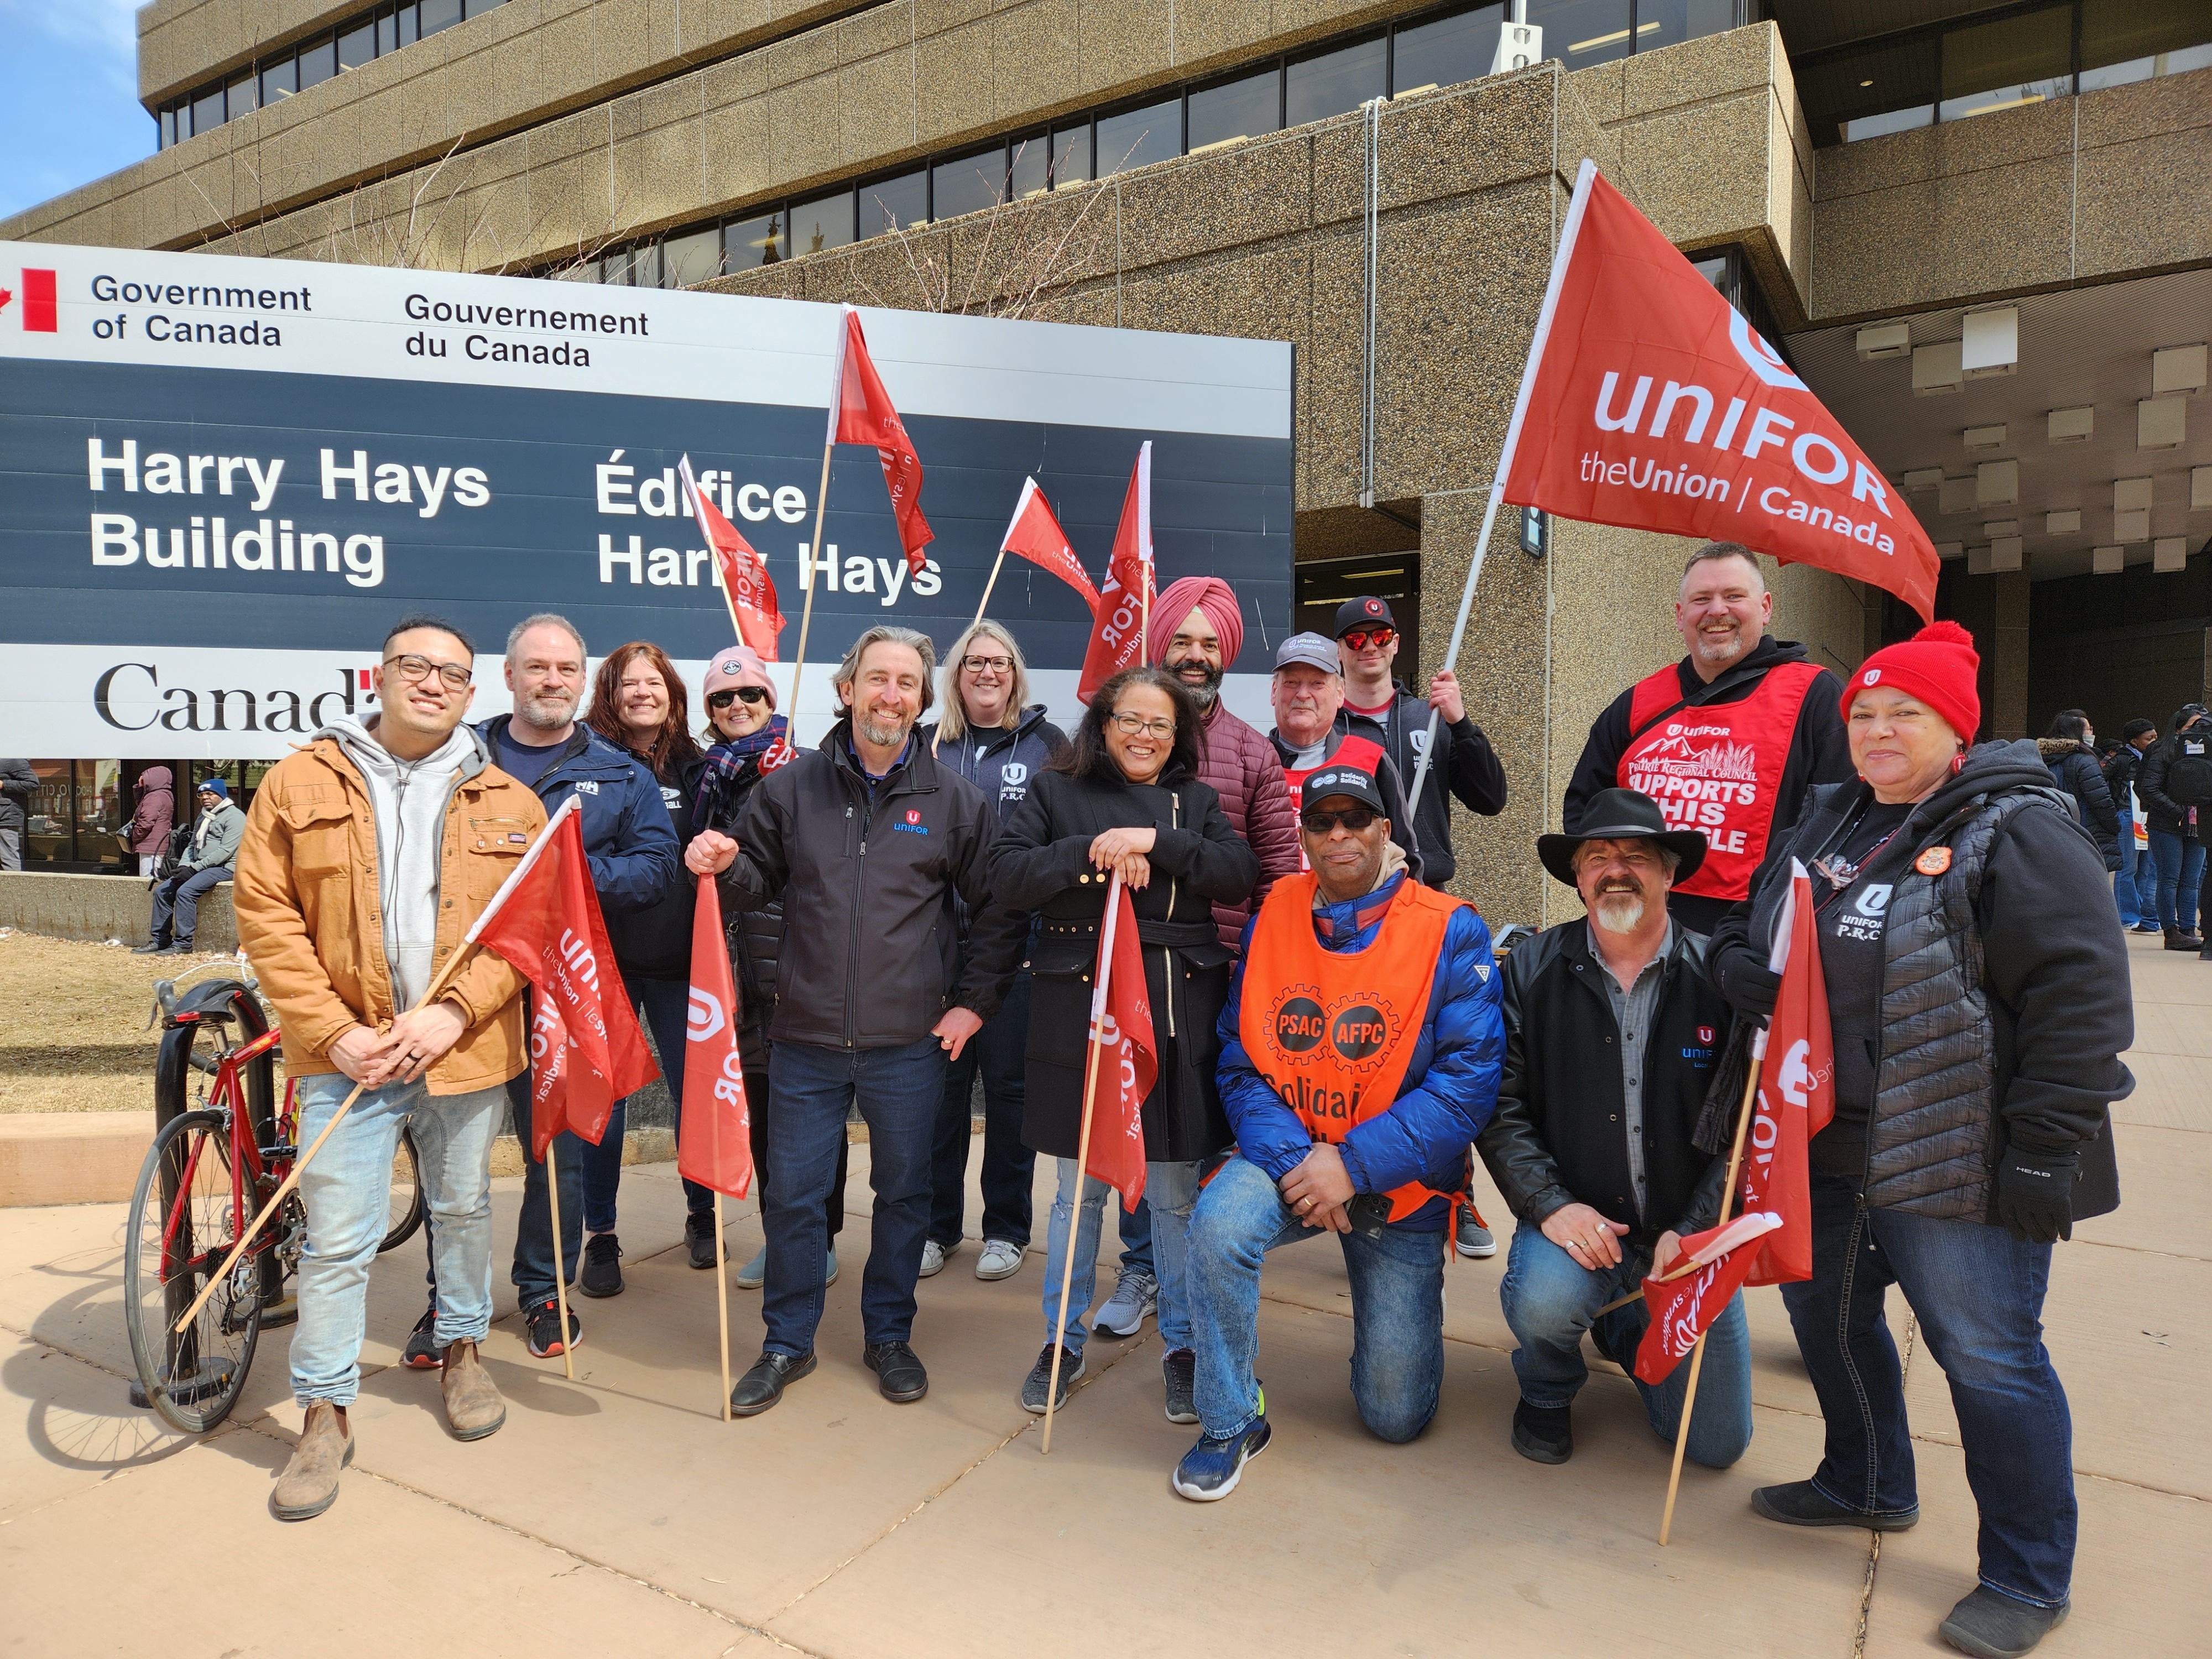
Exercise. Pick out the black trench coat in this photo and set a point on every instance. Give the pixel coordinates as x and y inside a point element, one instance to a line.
<point>1041,864</point>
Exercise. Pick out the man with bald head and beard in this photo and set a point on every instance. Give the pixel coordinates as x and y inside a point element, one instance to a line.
<point>1611,1032</point>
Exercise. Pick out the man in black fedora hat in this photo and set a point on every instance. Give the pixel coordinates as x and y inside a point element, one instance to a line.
<point>1612,1033</point>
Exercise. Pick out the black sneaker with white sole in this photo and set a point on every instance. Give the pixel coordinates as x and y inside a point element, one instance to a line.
<point>601,1273</point>
<point>1037,1387</point>
<point>1211,1469</point>
<point>699,1237</point>
<point>1180,1371</point>
<point>422,1352</point>
<point>543,1320</point>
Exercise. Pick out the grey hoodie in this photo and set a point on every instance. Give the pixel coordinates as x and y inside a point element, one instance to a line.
<point>409,803</point>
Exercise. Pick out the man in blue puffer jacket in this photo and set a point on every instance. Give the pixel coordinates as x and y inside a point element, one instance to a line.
<point>1365,1058</point>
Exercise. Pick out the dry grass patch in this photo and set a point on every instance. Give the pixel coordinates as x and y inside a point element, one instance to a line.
<point>73,1035</point>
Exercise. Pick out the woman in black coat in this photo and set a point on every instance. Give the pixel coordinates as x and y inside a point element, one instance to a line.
<point>2070,752</point>
<point>1125,798</point>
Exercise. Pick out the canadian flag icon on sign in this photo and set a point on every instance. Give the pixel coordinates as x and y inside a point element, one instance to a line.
<point>39,311</point>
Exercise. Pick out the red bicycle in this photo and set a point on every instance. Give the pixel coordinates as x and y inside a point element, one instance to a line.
<point>221,1147</point>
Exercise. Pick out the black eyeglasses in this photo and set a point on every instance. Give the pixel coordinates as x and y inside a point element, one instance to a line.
<point>1318,822</point>
<point>414,670</point>
<point>749,694</point>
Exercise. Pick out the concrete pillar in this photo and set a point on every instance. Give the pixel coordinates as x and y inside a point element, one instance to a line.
<point>2006,715</point>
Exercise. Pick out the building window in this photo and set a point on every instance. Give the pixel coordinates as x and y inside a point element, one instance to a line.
<point>243,97</point>
<point>318,63</point>
<point>1243,108</point>
<point>689,260</point>
<point>1446,51</point>
<point>1030,171</point>
<point>440,14</point>
<point>1661,23</point>
<point>2125,40</point>
<point>1070,155</point>
<point>1138,138</point>
<point>972,183</point>
<point>357,46</point>
<point>748,243</point>
<point>1584,33</point>
<point>207,112</point>
<point>1314,88</point>
<point>2016,60</point>
<point>824,222</point>
<point>888,204</point>
<point>280,79</point>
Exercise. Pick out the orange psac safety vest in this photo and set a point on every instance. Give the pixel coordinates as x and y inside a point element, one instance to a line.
<point>1332,1032</point>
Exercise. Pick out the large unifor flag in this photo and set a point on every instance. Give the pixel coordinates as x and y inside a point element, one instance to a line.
<point>1771,1241</point>
<point>1127,1056</point>
<point>1649,402</point>
<point>1037,536</point>
<point>715,1148</point>
<point>1117,628</point>
<point>860,412</point>
<point>745,575</point>
<point>586,1050</point>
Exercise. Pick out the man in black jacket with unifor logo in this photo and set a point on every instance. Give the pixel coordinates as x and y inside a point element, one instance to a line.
<point>1612,1033</point>
<point>867,840</point>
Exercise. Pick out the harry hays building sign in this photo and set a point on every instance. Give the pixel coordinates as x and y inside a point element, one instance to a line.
<point>226,476</point>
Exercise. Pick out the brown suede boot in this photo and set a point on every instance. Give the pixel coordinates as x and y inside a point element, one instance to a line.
<point>309,1484</point>
<point>473,1406</point>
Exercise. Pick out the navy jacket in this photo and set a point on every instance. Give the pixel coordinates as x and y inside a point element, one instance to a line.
<point>1450,1090</point>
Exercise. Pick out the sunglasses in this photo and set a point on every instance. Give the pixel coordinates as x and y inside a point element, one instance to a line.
<point>1318,822</point>
<point>1360,638</point>
<point>749,694</point>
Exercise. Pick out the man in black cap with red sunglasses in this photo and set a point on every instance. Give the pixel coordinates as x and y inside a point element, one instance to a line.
<point>1367,641</point>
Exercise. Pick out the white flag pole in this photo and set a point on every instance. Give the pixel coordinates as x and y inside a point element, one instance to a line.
<point>1568,234</point>
<point>821,507</point>
<point>1021,506</point>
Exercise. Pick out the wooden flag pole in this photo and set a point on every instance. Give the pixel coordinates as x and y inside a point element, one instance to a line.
<point>989,585</point>
<point>1083,1142</point>
<point>814,570</point>
<point>722,1283</point>
<point>1698,1351</point>
<point>560,1268</point>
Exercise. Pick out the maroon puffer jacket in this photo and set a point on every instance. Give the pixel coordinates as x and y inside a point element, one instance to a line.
<point>1245,771</point>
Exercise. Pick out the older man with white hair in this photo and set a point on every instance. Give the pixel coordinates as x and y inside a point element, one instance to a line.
<point>1312,729</point>
<point>1612,1034</point>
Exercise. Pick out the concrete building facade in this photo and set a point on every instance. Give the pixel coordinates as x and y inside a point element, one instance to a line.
<point>1212,165</point>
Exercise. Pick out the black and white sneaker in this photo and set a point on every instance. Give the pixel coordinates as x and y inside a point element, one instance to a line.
<point>601,1273</point>
<point>544,1319</point>
<point>1037,1387</point>
<point>423,1352</point>
<point>1180,1368</point>
<point>1211,1469</point>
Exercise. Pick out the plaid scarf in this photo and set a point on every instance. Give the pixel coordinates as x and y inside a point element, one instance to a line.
<point>732,768</point>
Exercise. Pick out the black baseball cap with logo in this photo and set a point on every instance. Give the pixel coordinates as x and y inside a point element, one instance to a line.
<point>1347,780</point>
<point>1363,611</point>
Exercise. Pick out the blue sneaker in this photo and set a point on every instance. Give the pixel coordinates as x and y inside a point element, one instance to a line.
<point>1210,1470</point>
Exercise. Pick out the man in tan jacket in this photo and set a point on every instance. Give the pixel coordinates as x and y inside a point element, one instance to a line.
<point>367,855</point>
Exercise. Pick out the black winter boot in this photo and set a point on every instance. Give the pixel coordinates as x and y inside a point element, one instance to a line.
<point>1993,1625</point>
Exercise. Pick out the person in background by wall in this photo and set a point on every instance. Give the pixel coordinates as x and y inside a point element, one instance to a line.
<point>991,735</point>
<point>2135,889</point>
<point>18,783</point>
<point>154,815</point>
<point>2176,780</point>
<point>205,865</point>
<point>2069,752</point>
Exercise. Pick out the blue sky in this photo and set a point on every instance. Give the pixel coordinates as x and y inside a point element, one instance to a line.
<point>68,105</point>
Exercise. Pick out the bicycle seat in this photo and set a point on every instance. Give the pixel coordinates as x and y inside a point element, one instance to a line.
<point>210,1000</point>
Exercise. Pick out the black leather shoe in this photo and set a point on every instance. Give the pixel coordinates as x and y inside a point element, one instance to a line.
<point>763,1386</point>
<point>1544,1435</point>
<point>152,948</point>
<point>1799,1505</point>
<point>897,1369</point>
<point>1993,1625</point>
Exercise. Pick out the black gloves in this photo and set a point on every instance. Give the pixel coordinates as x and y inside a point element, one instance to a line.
<point>2035,1194</point>
<point>1749,985</point>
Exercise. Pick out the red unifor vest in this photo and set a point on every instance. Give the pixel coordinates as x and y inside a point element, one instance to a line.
<point>1361,752</point>
<point>1716,768</point>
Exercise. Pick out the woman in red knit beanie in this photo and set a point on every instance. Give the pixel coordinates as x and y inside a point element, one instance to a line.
<point>1977,982</point>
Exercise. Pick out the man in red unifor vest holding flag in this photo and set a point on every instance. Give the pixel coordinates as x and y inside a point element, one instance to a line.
<point>1361,1046</point>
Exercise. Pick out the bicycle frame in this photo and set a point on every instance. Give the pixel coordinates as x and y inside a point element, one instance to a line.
<point>250,1173</point>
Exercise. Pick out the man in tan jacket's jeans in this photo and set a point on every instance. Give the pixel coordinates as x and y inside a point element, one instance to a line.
<point>367,855</point>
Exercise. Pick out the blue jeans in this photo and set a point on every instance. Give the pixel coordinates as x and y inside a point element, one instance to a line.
<point>1009,1167</point>
<point>665,1007</point>
<point>811,1089</point>
<point>1550,1300</point>
<point>177,901</point>
<point>533,1273</point>
<point>2125,893</point>
<point>348,1193</point>
<point>1137,1239</point>
<point>1978,1292</point>
<point>2180,862</point>
<point>1397,1308</point>
<point>1178,1185</point>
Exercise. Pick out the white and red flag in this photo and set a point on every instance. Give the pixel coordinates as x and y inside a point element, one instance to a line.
<point>715,1148</point>
<point>860,412</point>
<point>1117,628</point>
<point>743,573</point>
<point>1649,402</point>
<point>1037,536</point>
<point>586,1050</point>
<point>1128,1052</point>
<point>1771,1241</point>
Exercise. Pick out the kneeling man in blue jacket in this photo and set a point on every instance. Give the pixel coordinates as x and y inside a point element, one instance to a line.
<point>1360,1054</point>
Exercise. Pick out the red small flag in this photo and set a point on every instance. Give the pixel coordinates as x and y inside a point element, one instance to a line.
<point>1649,402</point>
<point>586,1050</point>
<point>1128,1053</point>
<point>40,310</point>
<point>860,412</point>
<point>1796,1058</point>
<point>716,1148</point>
<point>1037,536</point>
<point>1117,632</point>
<point>743,571</point>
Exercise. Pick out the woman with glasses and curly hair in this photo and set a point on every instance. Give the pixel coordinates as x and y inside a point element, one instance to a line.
<point>1126,799</point>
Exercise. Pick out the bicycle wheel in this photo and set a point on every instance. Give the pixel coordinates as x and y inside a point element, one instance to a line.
<point>406,1195</point>
<point>182,1225</point>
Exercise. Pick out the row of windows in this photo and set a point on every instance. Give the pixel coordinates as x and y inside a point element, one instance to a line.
<point>1436,49</point>
<point>311,62</point>
<point>2022,55</point>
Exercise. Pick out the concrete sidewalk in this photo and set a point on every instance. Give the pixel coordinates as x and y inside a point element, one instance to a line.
<point>617,1514</point>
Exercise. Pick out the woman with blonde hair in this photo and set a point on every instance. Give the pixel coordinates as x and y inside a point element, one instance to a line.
<point>989,733</point>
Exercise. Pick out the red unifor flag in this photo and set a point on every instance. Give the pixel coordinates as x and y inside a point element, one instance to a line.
<point>1771,1241</point>
<point>585,1050</point>
<point>1037,536</point>
<point>1128,1053</point>
<point>715,1148</point>
<point>1117,629</point>
<point>860,412</point>
<point>1649,402</point>
<point>743,573</point>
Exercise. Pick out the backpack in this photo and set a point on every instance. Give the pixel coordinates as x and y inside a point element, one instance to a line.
<point>172,855</point>
<point>2189,772</point>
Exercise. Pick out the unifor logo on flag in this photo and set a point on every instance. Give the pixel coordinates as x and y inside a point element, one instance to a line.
<point>1649,402</point>
<point>1117,628</point>
<point>1127,1052</point>
<point>860,412</point>
<point>742,572</point>
<point>713,1146</point>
